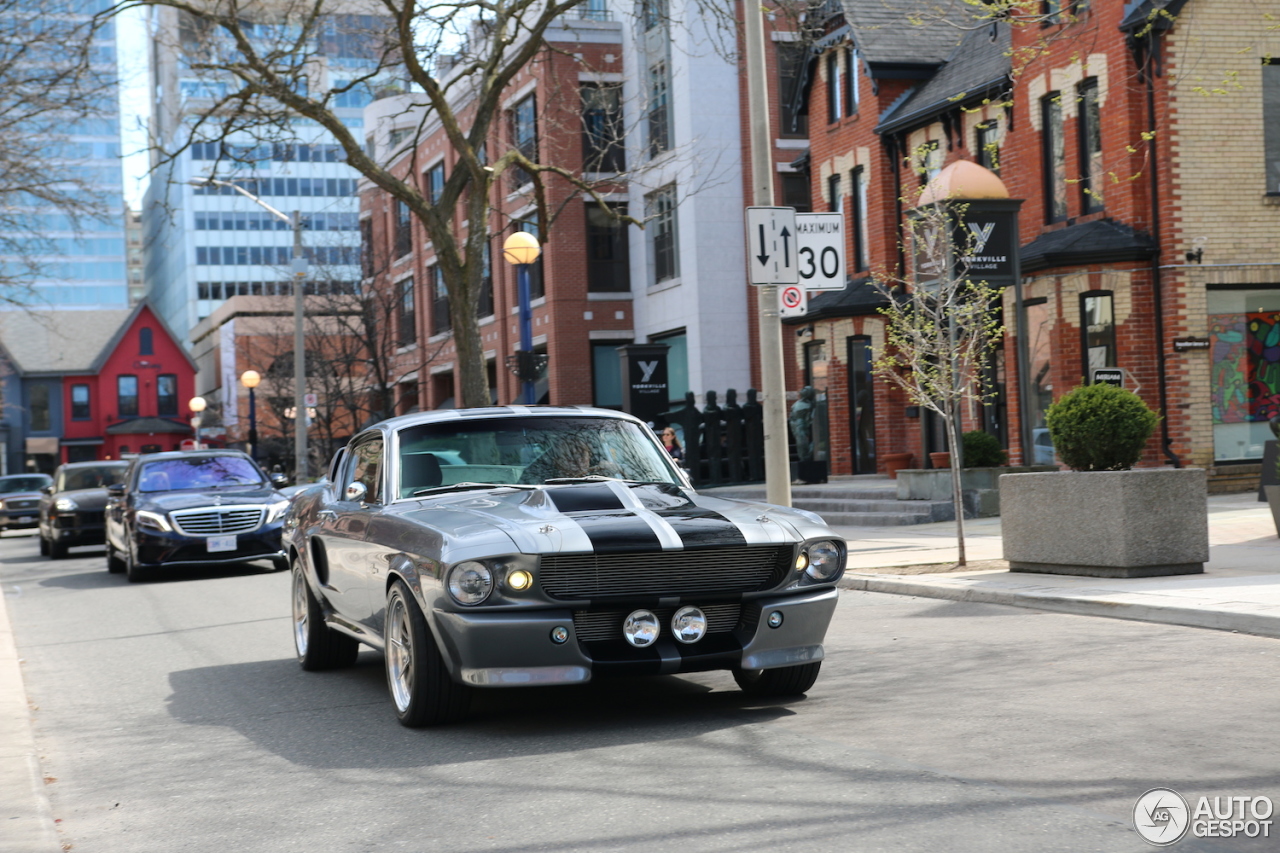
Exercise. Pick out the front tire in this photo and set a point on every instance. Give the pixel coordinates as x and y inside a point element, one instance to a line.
<point>318,646</point>
<point>783,681</point>
<point>115,565</point>
<point>57,550</point>
<point>421,689</point>
<point>44,546</point>
<point>134,572</point>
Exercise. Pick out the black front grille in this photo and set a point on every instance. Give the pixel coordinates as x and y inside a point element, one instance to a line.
<point>592,625</point>
<point>22,504</point>
<point>713,571</point>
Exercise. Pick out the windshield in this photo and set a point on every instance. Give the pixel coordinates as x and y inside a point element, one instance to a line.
<point>96,477</point>
<point>528,451</point>
<point>198,472</point>
<point>24,483</point>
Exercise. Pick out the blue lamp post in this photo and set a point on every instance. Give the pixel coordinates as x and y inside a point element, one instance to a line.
<point>522,249</point>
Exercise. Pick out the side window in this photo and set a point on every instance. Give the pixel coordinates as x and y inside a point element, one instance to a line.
<point>368,469</point>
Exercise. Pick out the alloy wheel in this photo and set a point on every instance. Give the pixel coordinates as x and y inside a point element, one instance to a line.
<point>399,653</point>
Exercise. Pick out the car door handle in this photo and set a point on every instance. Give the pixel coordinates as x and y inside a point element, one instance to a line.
<point>326,513</point>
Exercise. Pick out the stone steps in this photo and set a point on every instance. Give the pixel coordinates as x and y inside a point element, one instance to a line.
<point>869,504</point>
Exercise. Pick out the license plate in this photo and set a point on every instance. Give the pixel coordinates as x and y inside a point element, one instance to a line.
<point>221,543</point>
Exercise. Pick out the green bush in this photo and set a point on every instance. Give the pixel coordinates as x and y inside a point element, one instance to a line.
<point>982,450</point>
<point>1100,427</point>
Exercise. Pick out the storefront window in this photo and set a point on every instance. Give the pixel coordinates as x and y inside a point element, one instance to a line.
<point>1244,340</point>
<point>1099,329</point>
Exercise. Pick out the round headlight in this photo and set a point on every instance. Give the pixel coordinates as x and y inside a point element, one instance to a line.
<point>640,628</point>
<point>470,582</point>
<point>824,560</point>
<point>65,505</point>
<point>689,624</point>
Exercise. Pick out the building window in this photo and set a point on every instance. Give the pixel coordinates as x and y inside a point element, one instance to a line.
<point>653,13</point>
<point>127,396</point>
<point>659,109</point>
<point>41,419</point>
<point>1271,124</point>
<point>537,285</point>
<point>167,395</point>
<point>833,86</point>
<point>663,254</point>
<point>406,323</point>
<point>606,375</point>
<point>1051,11</point>
<point>145,346</point>
<point>1244,325</point>
<point>602,128</point>
<point>1055,158</point>
<point>858,216</point>
<point>791,59</point>
<point>403,230</point>
<point>850,81</point>
<point>929,160</point>
<point>440,321</point>
<point>608,266</point>
<point>1098,326</point>
<point>833,193</point>
<point>80,403</point>
<point>433,182</point>
<point>1091,178</point>
<point>795,191</point>
<point>987,145</point>
<point>524,136</point>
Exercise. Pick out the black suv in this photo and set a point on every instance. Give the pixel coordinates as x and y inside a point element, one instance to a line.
<point>194,508</point>
<point>72,506</point>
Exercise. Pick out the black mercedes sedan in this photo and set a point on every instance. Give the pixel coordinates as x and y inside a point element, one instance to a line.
<point>197,507</point>
<point>72,506</point>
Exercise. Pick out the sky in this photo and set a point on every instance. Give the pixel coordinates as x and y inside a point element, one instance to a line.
<point>132,51</point>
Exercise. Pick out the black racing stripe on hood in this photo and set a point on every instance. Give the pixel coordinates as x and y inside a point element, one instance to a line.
<point>587,497</point>
<point>702,528</point>
<point>617,532</point>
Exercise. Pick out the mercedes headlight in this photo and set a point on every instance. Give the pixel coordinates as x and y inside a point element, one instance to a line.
<point>824,560</point>
<point>152,521</point>
<point>65,505</point>
<point>469,583</point>
<point>276,510</point>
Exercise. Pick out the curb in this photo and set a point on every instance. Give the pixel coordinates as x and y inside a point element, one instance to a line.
<point>1045,598</point>
<point>26,818</point>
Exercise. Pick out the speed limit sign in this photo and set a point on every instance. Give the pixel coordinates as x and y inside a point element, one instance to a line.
<point>794,301</point>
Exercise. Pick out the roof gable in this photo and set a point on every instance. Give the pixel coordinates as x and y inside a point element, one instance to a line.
<point>66,341</point>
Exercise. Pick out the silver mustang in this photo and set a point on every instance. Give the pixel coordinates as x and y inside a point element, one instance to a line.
<point>516,546</point>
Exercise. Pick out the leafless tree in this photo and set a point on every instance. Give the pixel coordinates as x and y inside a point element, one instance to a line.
<point>54,77</point>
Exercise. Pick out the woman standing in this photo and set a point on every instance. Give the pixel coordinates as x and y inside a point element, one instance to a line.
<point>672,443</point>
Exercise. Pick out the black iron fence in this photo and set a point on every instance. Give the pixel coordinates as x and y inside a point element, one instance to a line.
<point>721,444</point>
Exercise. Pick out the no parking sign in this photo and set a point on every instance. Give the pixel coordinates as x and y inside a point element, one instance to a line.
<point>794,301</point>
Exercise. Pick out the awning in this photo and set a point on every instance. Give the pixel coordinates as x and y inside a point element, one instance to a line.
<point>42,445</point>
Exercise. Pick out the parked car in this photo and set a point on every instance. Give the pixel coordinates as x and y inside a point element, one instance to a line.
<point>193,508</point>
<point>71,507</point>
<point>20,499</point>
<point>565,545</point>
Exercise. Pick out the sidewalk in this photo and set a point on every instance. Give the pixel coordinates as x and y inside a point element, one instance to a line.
<point>1239,590</point>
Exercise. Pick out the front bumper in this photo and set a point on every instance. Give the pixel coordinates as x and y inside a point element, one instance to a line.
<point>12,520</point>
<point>78,528</point>
<point>515,649</point>
<point>154,548</point>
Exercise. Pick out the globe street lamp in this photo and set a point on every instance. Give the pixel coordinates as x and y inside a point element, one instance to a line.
<point>197,406</point>
<point>250,380</point>
<point>522,249</point>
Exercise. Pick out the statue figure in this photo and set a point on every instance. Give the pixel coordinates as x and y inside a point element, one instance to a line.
<point>801,420</point>
<point>733,436</point>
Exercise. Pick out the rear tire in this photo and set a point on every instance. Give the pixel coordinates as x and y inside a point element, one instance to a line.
<point>420,686</point>
<point>134,572</point>
<point>784,681</point>
<point>318,646</point>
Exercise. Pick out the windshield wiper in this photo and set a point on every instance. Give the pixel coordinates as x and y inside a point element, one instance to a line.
<point>600,478</point>
<point>463,486</point>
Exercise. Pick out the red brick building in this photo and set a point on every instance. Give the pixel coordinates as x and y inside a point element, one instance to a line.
<point>1094,119</point>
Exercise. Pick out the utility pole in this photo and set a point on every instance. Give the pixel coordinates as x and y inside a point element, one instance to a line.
<point>773,385</point>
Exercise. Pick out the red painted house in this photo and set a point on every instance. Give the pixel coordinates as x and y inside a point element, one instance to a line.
<point>133,398</point>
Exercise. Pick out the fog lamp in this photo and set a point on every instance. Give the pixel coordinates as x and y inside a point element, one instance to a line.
<point>640,628</point>
<point>519,580</point>
<point>802,561</point>
<point>559,635</point>
<point>775,619</point>
<point>470,582</point>
<point>689,624</point>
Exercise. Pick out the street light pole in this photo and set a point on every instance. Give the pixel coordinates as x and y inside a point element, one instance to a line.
<point>250,380</point>
<point>299,267</point>
<point>526,328</point>
<point>197,407</point>
<point>521,249</point>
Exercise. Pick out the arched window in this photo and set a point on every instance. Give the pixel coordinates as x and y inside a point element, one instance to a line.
<point>144,342</point>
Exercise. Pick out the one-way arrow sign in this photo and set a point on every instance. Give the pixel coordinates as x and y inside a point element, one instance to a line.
<point>771,245</point>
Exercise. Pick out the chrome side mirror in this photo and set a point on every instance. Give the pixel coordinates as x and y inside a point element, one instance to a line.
<point>356,493</point>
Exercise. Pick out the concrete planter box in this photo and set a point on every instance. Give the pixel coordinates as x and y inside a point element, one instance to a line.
<point>1273,499</point>
<point>979,487</point>
<point>1112,524</point>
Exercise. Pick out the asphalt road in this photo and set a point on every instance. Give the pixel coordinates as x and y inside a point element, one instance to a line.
<point>172,716</point>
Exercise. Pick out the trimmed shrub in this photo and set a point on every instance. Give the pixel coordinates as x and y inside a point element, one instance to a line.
<point>982,450</point>
<point>1100,427</point>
